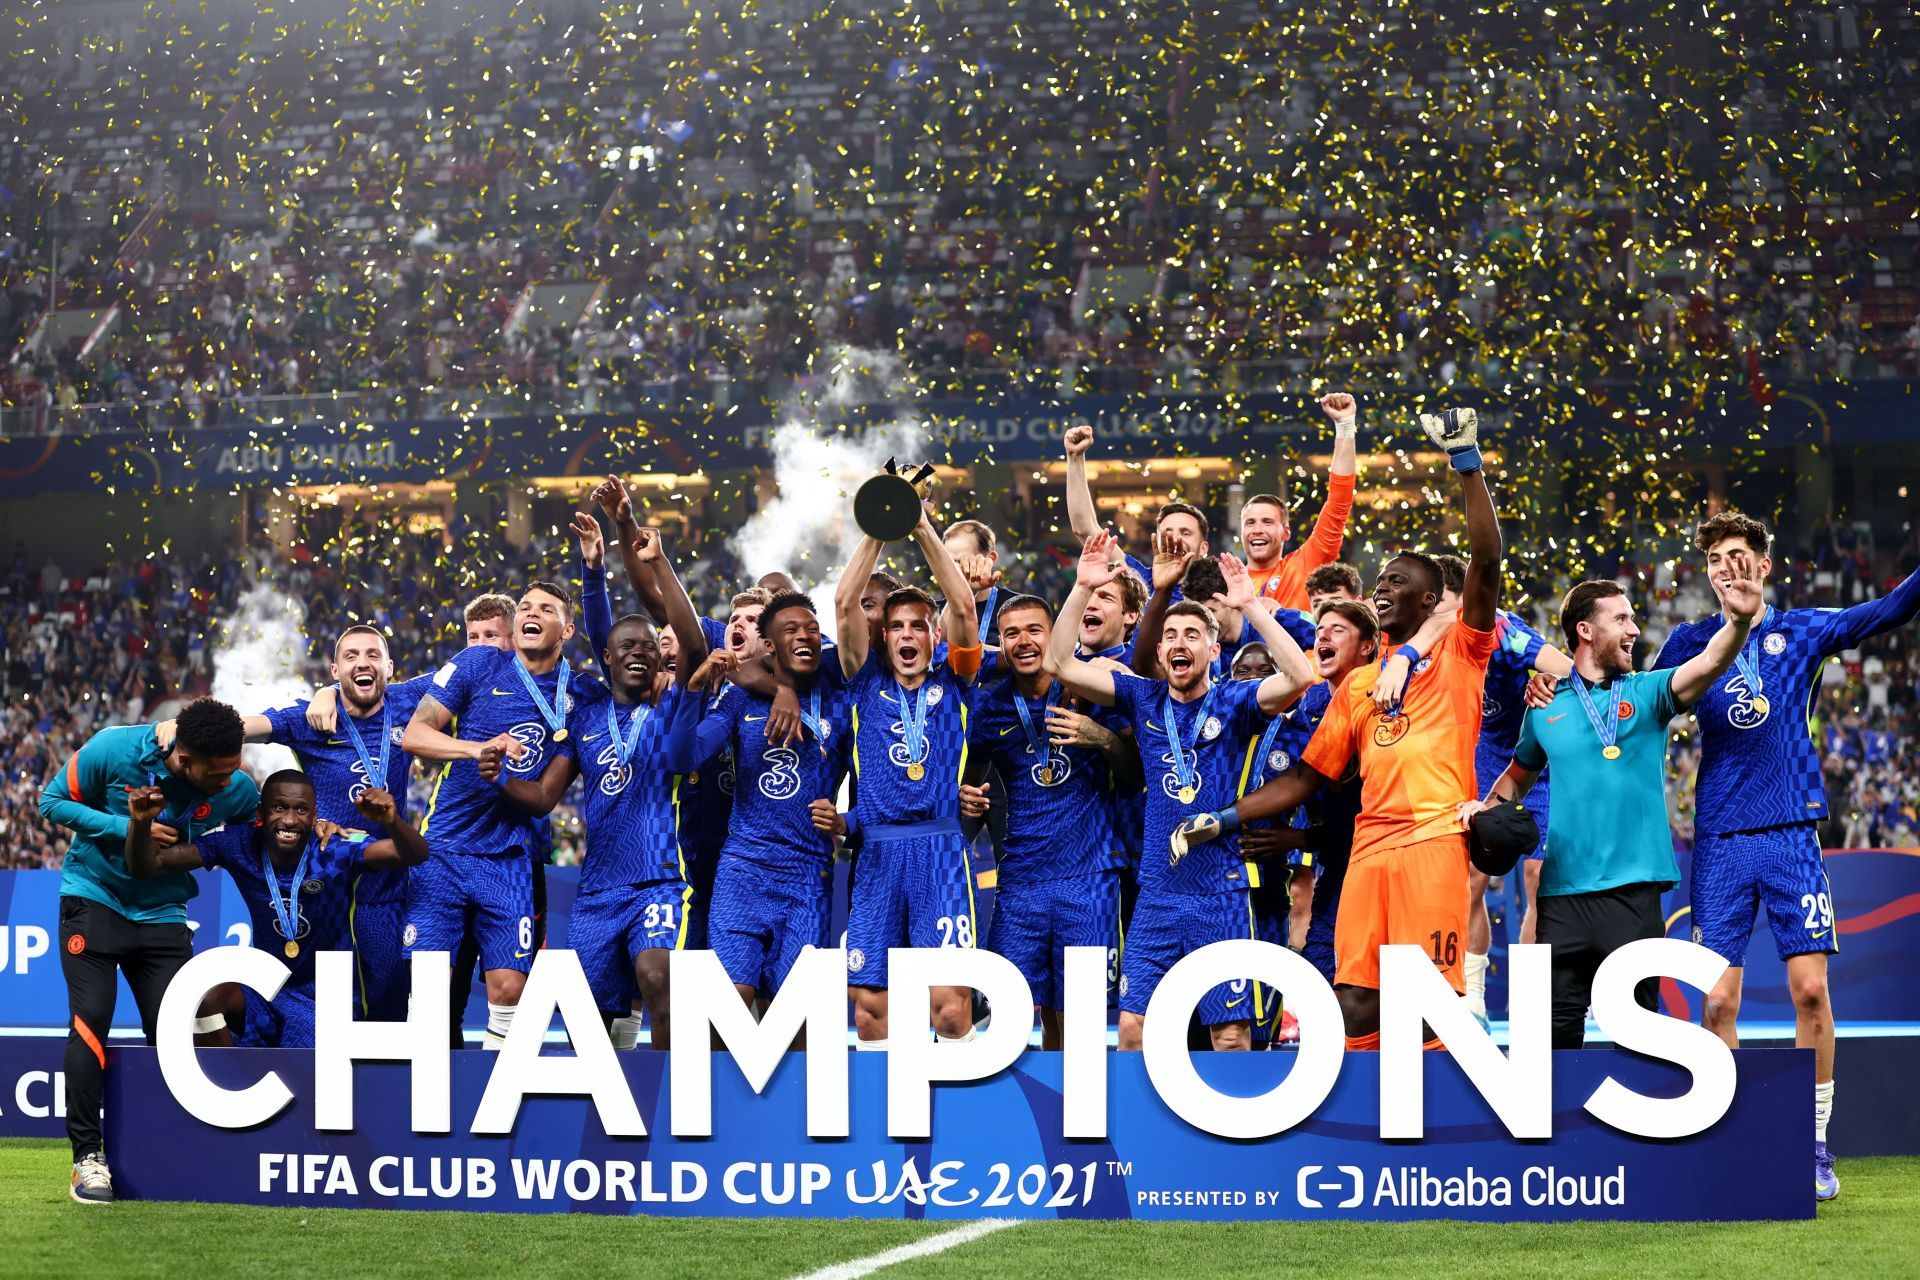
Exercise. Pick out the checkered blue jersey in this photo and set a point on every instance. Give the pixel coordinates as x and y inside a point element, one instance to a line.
<point>480,687</point>
<point>325,890</point>
<point>774,785</point>
<point>629,804</point>
<point>1516,647</point>
<point>1060,827</point>
<point>1297,623</point>
<point>1758,767</point>
<point>881,757</point>
<point>1232,716</point>
<point>334,767</point>
<point>1127,808</point>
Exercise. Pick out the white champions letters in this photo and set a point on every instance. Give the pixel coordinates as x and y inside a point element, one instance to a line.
<point>1517,1084</point>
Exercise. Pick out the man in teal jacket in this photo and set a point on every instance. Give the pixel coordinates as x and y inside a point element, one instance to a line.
<point>110,921</point>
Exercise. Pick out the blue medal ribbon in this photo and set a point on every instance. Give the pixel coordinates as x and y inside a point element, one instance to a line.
<point>554,713</point>
<point>1037,743</point>
<point>287,911</point>
<point>986,614</point>
<point>376,777</point>
<point>623,748</point>
<point>1607,727</point>
<point>1747,661</point>
<point>810,716</point>
<point>1182,771</point>
<point>913,723</point>
<point>170,819</point>
<point>1266,745</point>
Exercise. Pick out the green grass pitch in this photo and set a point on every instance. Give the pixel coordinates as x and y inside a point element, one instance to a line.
<point>1872,1230</point>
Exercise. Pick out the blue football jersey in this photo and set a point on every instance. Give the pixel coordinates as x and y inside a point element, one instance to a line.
<point>482,688</point>
<point>325,890</point>
<point>774,785</point>
<point>1516,647</point>
<point>1126,806</point>
<point>1758,765</point>
<point>883,762</point>
<point>1212,733</point>
<point>630,799</point>
<point>1059,803</point>
<point>335,766</point>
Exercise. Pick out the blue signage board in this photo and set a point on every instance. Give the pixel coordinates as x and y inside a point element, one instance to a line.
<point>996,1149</point>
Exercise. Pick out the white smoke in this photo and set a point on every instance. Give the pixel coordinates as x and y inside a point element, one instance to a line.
<point>257,664</point>
<point>807,532</point>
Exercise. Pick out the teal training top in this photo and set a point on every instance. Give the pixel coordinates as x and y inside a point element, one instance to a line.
<point>89,797</point>
<point>1607,825</point>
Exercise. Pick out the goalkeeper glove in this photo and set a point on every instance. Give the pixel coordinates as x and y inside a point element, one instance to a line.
<point>1457,431</point>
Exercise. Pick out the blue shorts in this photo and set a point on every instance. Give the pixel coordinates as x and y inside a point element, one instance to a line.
<point>285,1022</point>
<point>702,865</point>
<point>1781,870</point>
<point>761,920</point>
<point>381,977</point>
<point>450,897</point>
<point>1166,928</point>
<point>1035,921</point>
<point>611,927</point>
<point>915,889</point>
<point>1489,765</point>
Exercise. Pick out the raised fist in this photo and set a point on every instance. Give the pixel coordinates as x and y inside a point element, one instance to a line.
<point>1078,441</point>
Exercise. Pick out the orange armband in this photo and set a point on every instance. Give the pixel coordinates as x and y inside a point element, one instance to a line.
<point>965,661</point>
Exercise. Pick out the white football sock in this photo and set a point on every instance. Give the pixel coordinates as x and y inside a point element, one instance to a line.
<point>1822,1110</point>
<point>1477,966</point>
<point>871,1046</point>
<point>625,1031</point>
<point>972,1034</point>
<point>208,1025</point>
<point>499,1018</point>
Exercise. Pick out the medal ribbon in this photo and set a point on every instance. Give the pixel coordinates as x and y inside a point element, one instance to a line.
<point>287,911</point>
<point>1748,659</point>
<point>375,777</point>
<point>554,713</point>
<point>913,723</point>
<point>1266,746</point>
<point>1609,727</point>
<point>1035,745</point>
<point>986,613</point>
<point>1181,769</point>
<point>812,718</point>
<point>623,748</point>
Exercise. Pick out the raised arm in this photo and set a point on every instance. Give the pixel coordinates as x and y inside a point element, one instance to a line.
<point>426,736</point>
<point>1330,526</point>
<point>1082,516</point>
<point>1392,680</point>
<point>403,847</point>
<point>1170,564</point>
<point>1457,431</point>
<point>536,796</point>
<point>849,619</point>
<point>1856,623</point>
<point>1744,599</point>
<point>693,738</point>
<point>1292,671</point>
<point>1083,679</point>
<point>596,605</point>
<point>649,559</point>
<point>144,858</point>
<point>962,621</point>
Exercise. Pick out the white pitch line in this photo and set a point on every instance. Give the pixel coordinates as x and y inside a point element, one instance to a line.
<point>907,1252</point>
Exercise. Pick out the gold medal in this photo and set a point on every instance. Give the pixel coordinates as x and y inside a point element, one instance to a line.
<point>1046,776</point>
<point>916,771</point>
<point>559,735</point>
<point>292,949</point>
<point>1187,794</point>
<point>1610,751</point>
<point>1758,703</point>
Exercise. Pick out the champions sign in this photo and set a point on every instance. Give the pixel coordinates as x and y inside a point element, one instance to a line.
<point>382,1115</point>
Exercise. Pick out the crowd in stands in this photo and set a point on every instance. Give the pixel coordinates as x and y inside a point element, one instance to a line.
<point>86,647</point>
<point>1041,200</point>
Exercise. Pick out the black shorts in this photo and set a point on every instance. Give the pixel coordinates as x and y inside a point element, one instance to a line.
<point>1584,929</point>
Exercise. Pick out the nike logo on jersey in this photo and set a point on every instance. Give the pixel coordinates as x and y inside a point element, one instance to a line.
<point>1004,732</point>
<point>336,742</point>
<point>1557,719</point>
<point>521,955</point>
<point>1817,936</point>
<point>1234,1004</point>
<point>590,737</point>
<point>502,693</point>
<point>659,933</point>
<point>753,719</point>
